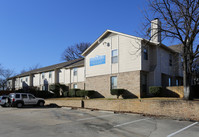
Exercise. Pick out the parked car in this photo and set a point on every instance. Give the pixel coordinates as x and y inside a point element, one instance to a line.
<point>4,101</point>
<point>23,99</point>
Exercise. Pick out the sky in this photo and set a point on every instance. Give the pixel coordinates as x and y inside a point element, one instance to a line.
<point>38,31</point>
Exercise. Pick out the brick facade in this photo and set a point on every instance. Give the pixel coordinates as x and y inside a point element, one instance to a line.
<point>130,81</point>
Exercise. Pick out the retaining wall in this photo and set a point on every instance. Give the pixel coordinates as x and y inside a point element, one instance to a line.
<point>179,109</point>
<point>64,103</point>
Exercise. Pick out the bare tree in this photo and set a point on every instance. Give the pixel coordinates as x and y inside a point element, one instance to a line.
<point>4,75</point>
<point>180,21</point>
<point>74,51</point>
<point>37,66</point>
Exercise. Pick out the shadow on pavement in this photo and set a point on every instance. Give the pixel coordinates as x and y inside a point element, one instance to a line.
<point>44,107</point>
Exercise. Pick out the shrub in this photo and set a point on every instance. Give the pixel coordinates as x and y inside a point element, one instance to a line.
<point>80,93</point>
<point>154,90</point>
<point>36,92</point>
<point>85,93</point>
<point>117,92</point>
<point>55,88</point>
<point>64,89</point>
<point>72,92</point>
<point>5,92</point>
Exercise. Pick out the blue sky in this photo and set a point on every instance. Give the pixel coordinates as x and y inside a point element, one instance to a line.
<point>37,31</point>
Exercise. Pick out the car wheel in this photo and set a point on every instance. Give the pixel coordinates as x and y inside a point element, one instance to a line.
<point>19,105</point>
<point>41,103</point>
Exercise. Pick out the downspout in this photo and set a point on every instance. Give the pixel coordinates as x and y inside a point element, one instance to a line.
<point>70,78</point>
<point>84,73</point>
<point>111,56</point>
<point>118,54</point>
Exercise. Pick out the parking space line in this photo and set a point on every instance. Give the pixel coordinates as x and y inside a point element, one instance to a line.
<point>172,134</point>
<point>96,117</point>
<point>127,123</point>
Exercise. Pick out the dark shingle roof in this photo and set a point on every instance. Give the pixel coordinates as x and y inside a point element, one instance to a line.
<point>177,48</point>
<point>70,64</point>
<point>78,64</point>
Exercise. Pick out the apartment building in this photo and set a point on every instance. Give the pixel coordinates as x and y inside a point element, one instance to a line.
<point>69,73</point>
<point>114,60</point>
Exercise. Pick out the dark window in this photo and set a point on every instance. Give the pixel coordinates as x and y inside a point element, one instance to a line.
<point>177,82</point>
<point>169,81</point>
<point>24,96</point>
<point>144,82</point>
<point>114,56</point>
<point>43,75</point>
<point>145,51</point>
<point>75,71</point>
<point>17,95</point>
<point>50,74</point>
<point>170,60</point>
<point>31,97</point>
<point>114,82</point>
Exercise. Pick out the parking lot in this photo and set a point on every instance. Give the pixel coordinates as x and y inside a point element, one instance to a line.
<point>59,122</point>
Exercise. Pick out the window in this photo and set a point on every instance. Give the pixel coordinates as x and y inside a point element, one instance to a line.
<point>17,95</point>
<point>145,51</point>
<point>114,56</point>
<point>50,74</point>
<point>177,82</point>
<point>75,86</point>
<point>31,97</point>
<point>21,80</point>
<point>24,96</point>
<point>169,82</point>
<point>114,82</point>
<point>75,71</point>
<point>43,75</point>
<point>170,60</point>
<point>26,79</point>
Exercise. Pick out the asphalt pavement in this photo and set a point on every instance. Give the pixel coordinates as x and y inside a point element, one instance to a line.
<point>66,122</point>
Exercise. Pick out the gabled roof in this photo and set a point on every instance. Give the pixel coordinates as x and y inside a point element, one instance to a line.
<point>102,36</point>
<point>52,67</point>
<point>126,35</point>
